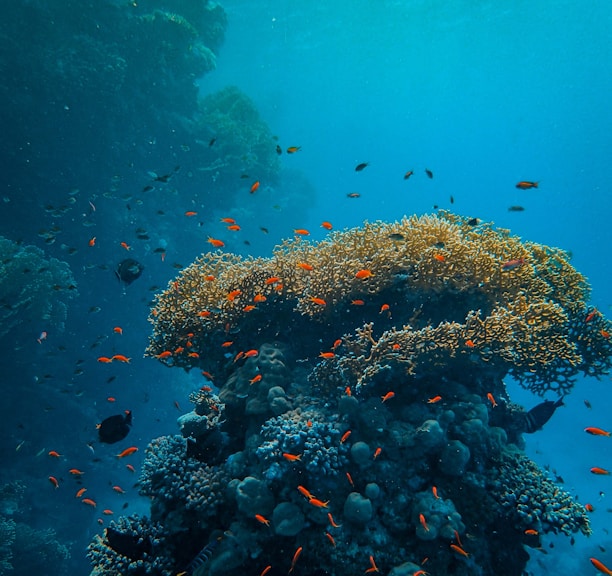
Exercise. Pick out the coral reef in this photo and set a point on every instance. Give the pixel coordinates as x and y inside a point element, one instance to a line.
<point>348,437</point>
<point>34,291</point>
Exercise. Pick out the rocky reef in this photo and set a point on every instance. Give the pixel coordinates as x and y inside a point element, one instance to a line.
<point>354,417</point>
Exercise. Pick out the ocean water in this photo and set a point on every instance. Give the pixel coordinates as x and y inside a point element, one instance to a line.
<point>99,105</point>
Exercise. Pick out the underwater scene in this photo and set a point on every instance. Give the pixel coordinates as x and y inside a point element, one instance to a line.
<point>305,288</point>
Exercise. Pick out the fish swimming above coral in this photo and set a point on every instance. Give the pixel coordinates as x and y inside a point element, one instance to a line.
<point>128,270</point>
<point>540,414</point>
<point>115,428</point>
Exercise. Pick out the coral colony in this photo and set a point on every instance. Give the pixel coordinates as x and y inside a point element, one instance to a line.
<point>357,420</point>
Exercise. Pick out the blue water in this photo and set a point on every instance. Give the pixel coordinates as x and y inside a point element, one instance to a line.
<point>481,94</point>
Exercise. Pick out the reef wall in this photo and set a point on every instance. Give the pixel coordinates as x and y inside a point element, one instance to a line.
<point>357,419</point>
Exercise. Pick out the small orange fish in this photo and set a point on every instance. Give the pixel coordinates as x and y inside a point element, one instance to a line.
<point>373,567</point>
<point>326,355</point>
<point>434,491</point>
<point>439,257</point>
<point>459,550</point>
<point>363,274</point>
<point>251,353</point>
<point>233,228</point>
<point>305,266</point>
<point>54,454</point>
<point>423,522</point>
<point>596,431</point>
<point>350,479</point>
<point>272,280</point>
<point>305,492</point>
<point>491,399</point>
<point>347,391</point>
<point>209,278</point>
<point>295,558</point>
<point>216,243</point>
<point>255,379</point>
<point>601,566</point>
<point>104,360</point>
<point>396,346</point>
<point>190,213</point>
<point>384,308</point>
<point>604,333</point>
<point>318,503</point>
<point>228,220</point>
<point>331,520</point>
<point>125,246</point>
<point>249,308</point>
<point>258,298</point>
<point>118,330</point>
<point>357,302</point>
<point>54,481</point>
<point>589,507</point>
<point>127,452</point>
<point>318,301</point>
<point>434,400</point>
<point>111,399</point>
<point>293,149</point>
<point>336,344</point>
<point>233,294</point>
<point>193,355</point>
<point>254,187</point>
<point>470,343</point>
<point>377,452</point>
<point>591,315</point>
<point>179,350</point>
<point>526,185</point>
<point>266,570</point>
<point>388,396</point>
<point>118,489</point>
<point>80,492</point>
<point>227,344</point>
<point>204,314</point>
<point>107,512</point>
<point>89,502</point>
<point>512,264</point>
<point>121,358</point>
<point>164,354</point>
<point>130,468</point>
<point>76,472</point>
<point>330,538</point>
<point>301,232</point>
<point>345,437</point>
<point>531,532</point>
<point>291,457</point>
<point>600,471</point>
<point>262,519</point>
<point>326,225</point>
<point>92,241</point>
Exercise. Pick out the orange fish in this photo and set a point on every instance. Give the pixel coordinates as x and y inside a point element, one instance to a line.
<point>126,246</point>
<point>233,228</point>
<point>596,431</point>
<point>305,266</point>
<point>295,558</point>
<point>293,149</point>
<point>470,343</point>
<point>373,567</point>
<point>330,538</point>
<point>111,399</point>
<point>301,232</point>
<point>318,503</point>
<point>350,479</point>
<point>209,278</point>
<point>255,379</point>
<point>591,315</point>
<point>347,391</point>
<point>127,452</point>
<point>526,185</point>
<point>331,520</point>
<point>336,344</point>
<point>89,502</point>
<point>423,522</point>
<point>345,437</point>
<point>600,471</point>
<point>164,354</point>
<point>92,241</point>
<point>80,492</point>
<point>326,225</point>
<point>266,570</point>
<point>459,550</point>
<point>75,472</point>
<point>121,358</point>
<point>104,360</point>
<point>434,400</point>
<point>326,355</point>
<point>262,519</point>
<point>107,512</point>
<point>251,353</point>
<point>232,295</point>
<point>190,213</point>
<point>54,454</point>
<point>118,330</point>
<point>54,481</point>
<point>601,566</point>
<point>434,491</point>
<point>193,355</point>
<point>491,399</point>
<point>384,308</point>
<point>357,302</point>
<point>377,452</point>
<point>118,489</point>
<point>227,344</point>
<point>254,187</point>
<point>249,308</point>
<point>259,298</point>
<point>387,396</point>
<point>291,457</point>
<point>228,220</point>
<point>604,333</point>
<point>216,243</point>
<point>363,274</point>
<point>396,346</point>
<point>305,492</point>
<point>531,532</point>
<point>318,301</point>
<point>130,468</point>
<point>439,257</point>
<point>272,280</point>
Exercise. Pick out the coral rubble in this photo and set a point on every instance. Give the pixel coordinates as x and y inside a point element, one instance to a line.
<point>358,419</point>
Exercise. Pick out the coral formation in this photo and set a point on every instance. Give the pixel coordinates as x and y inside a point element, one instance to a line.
<point>34,291</point>
<point>359,437</point>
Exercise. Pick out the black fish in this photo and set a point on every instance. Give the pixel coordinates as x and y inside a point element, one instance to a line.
<point>429,173</point>
<point>472,222</point>
<point>279,150</point>
<point>133,547</point>
<point>540,414</point>
<point>212,142</point>
<point>115,428</point>
<point>361,166</point>
<point>516,209</point>
<point>129,270</point>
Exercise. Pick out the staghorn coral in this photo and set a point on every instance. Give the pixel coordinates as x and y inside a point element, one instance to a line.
<point>33,289</point>
<point>450,300</point>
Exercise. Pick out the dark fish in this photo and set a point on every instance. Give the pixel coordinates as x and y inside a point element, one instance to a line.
<point>540,414</point>
<point>526,185</point>
<point>361,166</point>
<point>472,222</point>
<point>212,142</point>
<point>429,173</point>
<point>396,237</point>
<point>115,428</point>
<point>133,546</point>
<point>129,270</point>
<point>452,200</point>
<point>148,188</point>
<point>408,174</point>
<point>353,195</point>
<point>516,209</point>
<point>279,150</point>
<point>264,230</point>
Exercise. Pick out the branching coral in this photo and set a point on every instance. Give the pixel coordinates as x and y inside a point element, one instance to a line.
<point>438,289</point>
<point>33,289</point>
